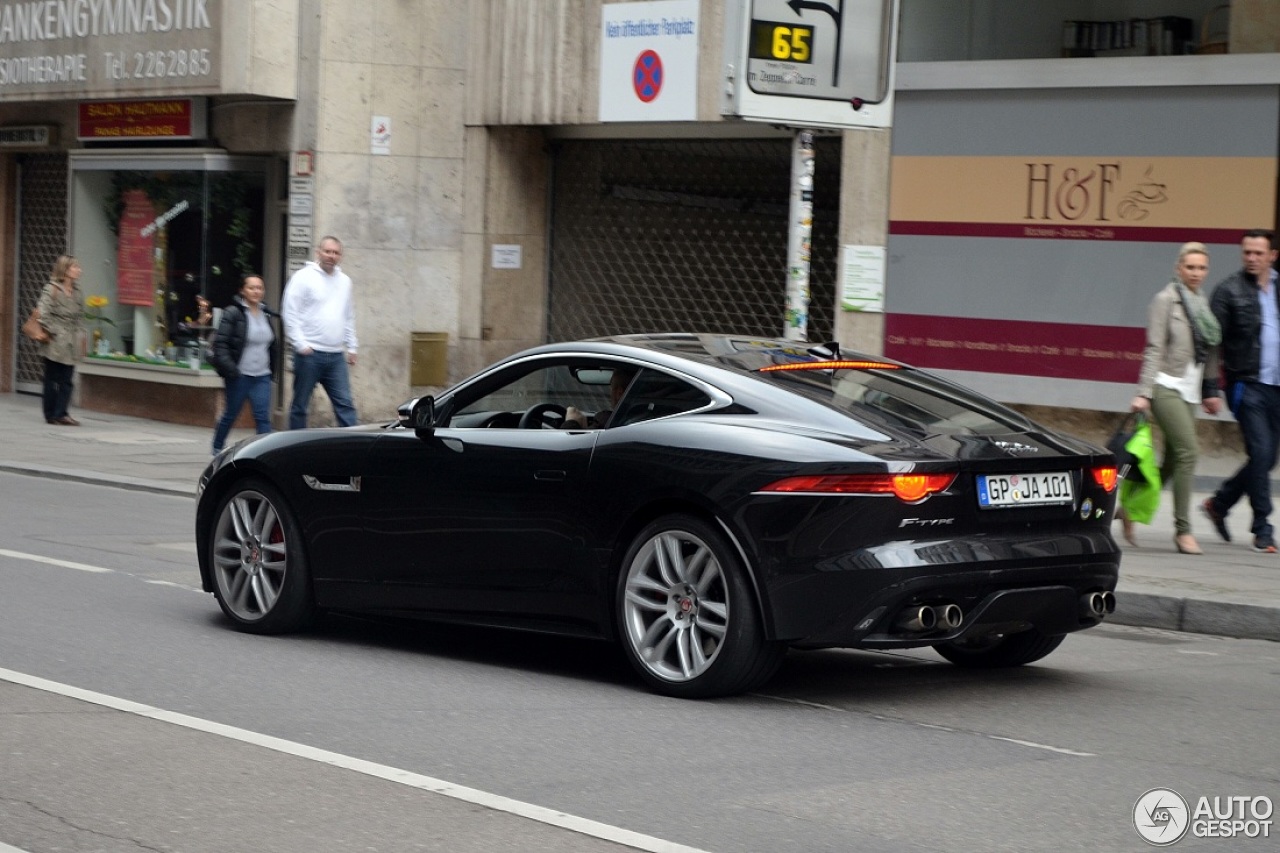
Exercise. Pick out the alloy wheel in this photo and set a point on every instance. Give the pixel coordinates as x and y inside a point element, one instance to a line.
<point>676,606</point>
<point>250,555</point>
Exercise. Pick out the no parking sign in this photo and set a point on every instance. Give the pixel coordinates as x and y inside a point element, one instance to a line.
<point>649,61</point>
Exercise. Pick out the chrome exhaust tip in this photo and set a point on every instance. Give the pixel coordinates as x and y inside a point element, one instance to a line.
<point>948,616</point>
<point>1109,602</point>
<point>1093,605</point>
<point>916,619</point>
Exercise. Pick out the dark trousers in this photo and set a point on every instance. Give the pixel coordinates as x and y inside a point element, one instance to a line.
<point>58,386</point>
<point>1258,414</point>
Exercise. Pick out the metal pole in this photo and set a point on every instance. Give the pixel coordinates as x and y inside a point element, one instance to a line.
<point>799,237</point>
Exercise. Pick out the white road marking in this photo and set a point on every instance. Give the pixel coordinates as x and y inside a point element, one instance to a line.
<point>66,564</point>
<point>1195,652</point>
<point>803,702</point>
<point>1035,745</point>
<point>184,547</point>
<point>1029,743</point>
<point>185,586</point>
<point>551,817</point>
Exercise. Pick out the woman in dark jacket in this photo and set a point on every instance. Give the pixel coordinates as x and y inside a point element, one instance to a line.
<point>245,349</point>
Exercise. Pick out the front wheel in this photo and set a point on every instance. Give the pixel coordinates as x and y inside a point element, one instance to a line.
<point>689,621</point>
<point>259,563</point>
<point>999,650</point>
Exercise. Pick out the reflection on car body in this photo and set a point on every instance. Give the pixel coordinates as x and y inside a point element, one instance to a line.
<point>737,498</point>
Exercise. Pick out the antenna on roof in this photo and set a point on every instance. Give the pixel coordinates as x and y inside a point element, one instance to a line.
<point>831,350</point>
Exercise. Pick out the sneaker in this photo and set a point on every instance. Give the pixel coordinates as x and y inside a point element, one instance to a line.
<point>1264,546</point>
<point>1219,520</point>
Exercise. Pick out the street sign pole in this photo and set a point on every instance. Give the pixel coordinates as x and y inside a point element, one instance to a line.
<point>799,237</point>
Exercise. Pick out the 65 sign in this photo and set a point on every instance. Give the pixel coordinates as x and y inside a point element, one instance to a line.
<point>819,50</point>
<point>781,42</point>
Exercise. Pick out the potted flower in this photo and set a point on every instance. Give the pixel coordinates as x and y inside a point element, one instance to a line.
<point>94,305</point>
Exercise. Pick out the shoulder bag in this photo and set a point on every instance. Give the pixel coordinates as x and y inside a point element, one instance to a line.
<point>32,328</point>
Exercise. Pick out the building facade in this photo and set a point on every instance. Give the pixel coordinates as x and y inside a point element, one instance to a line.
<point>497,182</point>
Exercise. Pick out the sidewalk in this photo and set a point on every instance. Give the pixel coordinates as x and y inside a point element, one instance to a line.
<point>1229,590</point>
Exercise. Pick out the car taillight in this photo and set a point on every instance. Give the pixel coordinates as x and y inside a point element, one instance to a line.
<point>1105,477</point>
<point>841,364</point>
<point>907,487</point>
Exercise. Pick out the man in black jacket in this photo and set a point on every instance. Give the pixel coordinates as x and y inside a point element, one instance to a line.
<point>1248,310</point>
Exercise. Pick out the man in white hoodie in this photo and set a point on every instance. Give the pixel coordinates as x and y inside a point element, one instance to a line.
<point>319,318</point>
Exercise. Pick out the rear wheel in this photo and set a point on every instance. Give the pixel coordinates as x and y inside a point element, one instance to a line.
<point>999,650</point>
<point>689,620</point>
<point>259,564</point>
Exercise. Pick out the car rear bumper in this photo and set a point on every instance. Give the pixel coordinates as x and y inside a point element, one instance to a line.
<point>862,600</point>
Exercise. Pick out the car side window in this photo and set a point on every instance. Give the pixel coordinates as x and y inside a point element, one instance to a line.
<point>553,386</point>
<point>655,395</point>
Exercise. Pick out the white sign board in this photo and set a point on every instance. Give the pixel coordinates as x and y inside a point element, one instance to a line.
<point>649,61</point>
<point>811,63</point>
<point>862,279</point>
<point>380,135</point>
<point>506,256</point>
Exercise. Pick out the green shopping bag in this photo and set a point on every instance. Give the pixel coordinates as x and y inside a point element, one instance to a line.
<point>1138,499</point>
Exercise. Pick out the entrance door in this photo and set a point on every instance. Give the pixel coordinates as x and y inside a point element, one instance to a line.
<point>41,237</point>
<point>660,235</point>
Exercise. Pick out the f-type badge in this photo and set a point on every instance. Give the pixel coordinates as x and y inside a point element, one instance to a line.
<point>1013,448</point>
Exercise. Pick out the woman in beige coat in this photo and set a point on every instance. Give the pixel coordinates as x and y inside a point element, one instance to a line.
<point>1182,335</point>
<point>62,317</point>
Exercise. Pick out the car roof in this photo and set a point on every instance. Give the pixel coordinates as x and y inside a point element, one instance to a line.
<point>685,350</point>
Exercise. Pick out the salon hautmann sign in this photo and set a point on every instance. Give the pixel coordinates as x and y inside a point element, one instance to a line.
<point>97,48</point>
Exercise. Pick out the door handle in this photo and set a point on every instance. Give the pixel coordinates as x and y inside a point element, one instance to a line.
<point>549,475</point>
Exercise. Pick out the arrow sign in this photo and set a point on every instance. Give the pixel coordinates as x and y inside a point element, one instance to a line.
<point>837,15</point>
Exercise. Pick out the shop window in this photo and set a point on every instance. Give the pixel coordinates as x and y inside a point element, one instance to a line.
<point>153,234</point>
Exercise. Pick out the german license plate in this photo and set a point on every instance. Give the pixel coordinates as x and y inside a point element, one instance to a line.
<point>996,491</point>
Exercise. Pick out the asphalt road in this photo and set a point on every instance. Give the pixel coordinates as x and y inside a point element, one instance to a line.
<point>843,751</point>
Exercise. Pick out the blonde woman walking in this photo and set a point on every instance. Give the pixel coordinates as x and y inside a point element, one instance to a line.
<point>1182,336</point>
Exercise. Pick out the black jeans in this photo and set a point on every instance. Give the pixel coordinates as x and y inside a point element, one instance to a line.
<point>1258,414</point>
<point>58,385</point>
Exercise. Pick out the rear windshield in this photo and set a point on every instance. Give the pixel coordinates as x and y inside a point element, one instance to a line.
<point>901,398</point>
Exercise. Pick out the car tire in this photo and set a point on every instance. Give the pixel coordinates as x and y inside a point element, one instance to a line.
<point>1000,650</point>
<point>258,562</point>
<point>687,616</point>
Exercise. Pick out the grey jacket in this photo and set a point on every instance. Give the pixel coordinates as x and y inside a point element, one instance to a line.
<point>62,317</point>
<point>1171,348</point>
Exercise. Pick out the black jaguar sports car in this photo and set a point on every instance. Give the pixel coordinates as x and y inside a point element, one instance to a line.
<point>708,501</point>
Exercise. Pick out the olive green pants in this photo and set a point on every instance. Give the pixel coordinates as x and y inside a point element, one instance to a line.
<point>1177,421</point>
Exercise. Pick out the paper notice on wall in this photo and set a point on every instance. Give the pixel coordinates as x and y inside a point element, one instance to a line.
<point>862,278</point>
<point>380,135</point>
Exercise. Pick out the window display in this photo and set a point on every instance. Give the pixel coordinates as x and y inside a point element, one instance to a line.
<point>160,239</point>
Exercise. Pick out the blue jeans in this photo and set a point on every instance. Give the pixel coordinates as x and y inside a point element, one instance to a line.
<point>255,389</point>
<point>1258,414</point>
<point>329,370</point>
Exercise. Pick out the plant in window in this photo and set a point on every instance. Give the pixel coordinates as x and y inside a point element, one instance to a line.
<point>93,312</point>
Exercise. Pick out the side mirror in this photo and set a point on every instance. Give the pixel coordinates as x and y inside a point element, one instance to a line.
<point>422,416</point>
<point>404,413</point>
